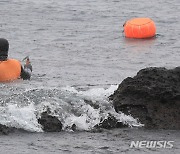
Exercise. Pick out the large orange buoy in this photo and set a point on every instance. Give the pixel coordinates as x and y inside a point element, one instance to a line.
<point>140,28</point>
<point>9,70</point>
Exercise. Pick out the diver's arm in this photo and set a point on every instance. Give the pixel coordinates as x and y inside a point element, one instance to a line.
<point>24,74</point>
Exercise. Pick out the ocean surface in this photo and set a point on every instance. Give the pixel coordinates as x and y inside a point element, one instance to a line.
<point>79,55</point>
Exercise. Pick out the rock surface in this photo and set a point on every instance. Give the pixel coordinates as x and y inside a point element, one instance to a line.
<point>110,122</point>
<point>152,96</point>
<point>50,123</point>
<point>5,130</point>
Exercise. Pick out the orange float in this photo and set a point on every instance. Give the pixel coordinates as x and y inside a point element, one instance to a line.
<point>139,28</point>
<point>9,70</point>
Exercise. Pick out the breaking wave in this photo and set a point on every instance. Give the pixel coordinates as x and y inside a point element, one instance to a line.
<point>84,108</point>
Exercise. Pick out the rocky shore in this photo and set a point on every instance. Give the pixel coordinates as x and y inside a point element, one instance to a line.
<point>152,96</point>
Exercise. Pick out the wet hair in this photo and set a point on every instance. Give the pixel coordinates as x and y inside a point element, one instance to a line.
<point>4,47</point>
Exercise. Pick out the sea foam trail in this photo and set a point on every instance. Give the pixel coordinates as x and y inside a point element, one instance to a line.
<point>85,108</point>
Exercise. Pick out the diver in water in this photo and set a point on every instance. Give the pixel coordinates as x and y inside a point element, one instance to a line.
<point>11,69</point>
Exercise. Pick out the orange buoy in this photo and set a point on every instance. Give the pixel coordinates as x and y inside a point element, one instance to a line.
<point>9,70</point>
<point>140,28</point>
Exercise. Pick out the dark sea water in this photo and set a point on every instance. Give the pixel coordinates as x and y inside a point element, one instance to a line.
<point>79,53</point>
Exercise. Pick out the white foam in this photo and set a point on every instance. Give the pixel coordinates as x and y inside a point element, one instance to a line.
<point>99,92</point>
<point>85,109</point>
<point>20,117</point>
<point>94,93</point>
<point>86,121</point>
<point>90,116</point>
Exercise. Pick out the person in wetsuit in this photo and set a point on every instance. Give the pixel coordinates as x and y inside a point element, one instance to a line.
<point>25,73</point>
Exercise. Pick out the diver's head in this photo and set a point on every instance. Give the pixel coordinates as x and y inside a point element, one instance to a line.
<point>4,47</point>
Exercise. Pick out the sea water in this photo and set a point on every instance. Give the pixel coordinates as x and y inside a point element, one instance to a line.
<point>79,55</point>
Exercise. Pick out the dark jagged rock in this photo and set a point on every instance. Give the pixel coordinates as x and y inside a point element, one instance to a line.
<point>152,96</point>
<point>50,123</point>
<point>4,130</point>
<point>110,122</point>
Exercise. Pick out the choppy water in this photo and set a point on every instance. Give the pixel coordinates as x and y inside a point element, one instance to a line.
<point>78,53</point>
<point>108,142</point>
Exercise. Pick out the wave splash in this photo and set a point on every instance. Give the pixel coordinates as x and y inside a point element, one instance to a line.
<point>84,108</point>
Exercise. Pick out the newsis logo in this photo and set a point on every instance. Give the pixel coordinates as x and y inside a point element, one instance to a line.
<point>152,144</point>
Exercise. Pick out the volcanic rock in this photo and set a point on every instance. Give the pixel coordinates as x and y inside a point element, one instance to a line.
<point>5,130</point>
<point>50,123</point>
<point>152,96</point>
<point>110,122</point>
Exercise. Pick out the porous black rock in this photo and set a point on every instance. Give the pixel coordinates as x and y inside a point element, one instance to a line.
<point>152,96</point>
<point>5,130</point>
<point>110,122</point>
<point>50,123</point>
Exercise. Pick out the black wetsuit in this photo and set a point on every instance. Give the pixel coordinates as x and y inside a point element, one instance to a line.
<point>24,74</point>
